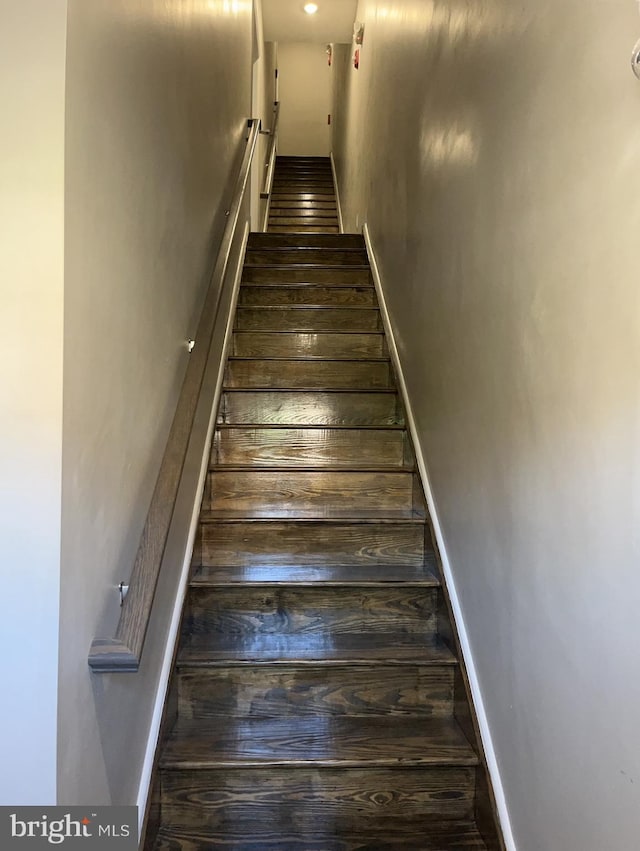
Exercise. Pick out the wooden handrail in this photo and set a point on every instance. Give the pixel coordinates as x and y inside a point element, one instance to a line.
<point>271,158</point>
<point>123,651</point>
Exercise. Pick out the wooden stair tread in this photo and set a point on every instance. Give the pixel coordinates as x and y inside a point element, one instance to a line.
<point>305,359</point>
<point>276,426</point>
<point>321,307</point>
<point>407,469</point>
<point>307,267</point>
<point>391,391</point>
<point>381,648</point>
<point>317,742</point>
<point>343,518</point>
<point>327,514</point>
<point>304,247</point>
<point>325,575</point>
<point>279,832</point>
<point>321,332</point>
<point>260,240</point>
<point>311,388</point>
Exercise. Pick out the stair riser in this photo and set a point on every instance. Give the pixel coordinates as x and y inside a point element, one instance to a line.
<point>328,256</point>
<point>292,344</point>
<point>288,187</point>
<point>417,692</point>
<point>297,228</point>
<point>317,275</point>
<point>306,181</point>
<point>301,213</point>
<point>334,374</point>
<point>310,408</point>
<point>263,493</point>
<point>211,801</point>
<point>307,319</point>
<point>326,296</point>
<point>305,172</point>
<point>306,447</point>
<point>342,241</point>
<point>301,223</point>
<point>309,611</point>
<point>299,194</point>
<point>305,205</point>
<point>282,543</point>
<point>305,177</point>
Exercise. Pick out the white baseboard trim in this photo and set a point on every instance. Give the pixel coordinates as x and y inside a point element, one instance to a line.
<point>485,733</point>
<point>335,183</point>
<point>165,673</point>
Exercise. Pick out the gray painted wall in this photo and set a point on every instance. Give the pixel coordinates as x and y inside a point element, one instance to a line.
<point>494,150</point>
<point>158,95</point>
<point>32,55</point>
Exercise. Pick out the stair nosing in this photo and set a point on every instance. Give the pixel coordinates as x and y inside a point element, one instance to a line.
<point>386,390</point>
<point>344,250</point>
<point>310,285</point>
<point>308,358</point>
<point>316,426</point>
<point>309,266</point>
<point>207,518</point>
<point>304,389</point>
<point>404,469</point>
<point>216,664</point>
<point>255,331</point>
<point>459,750</point>
<point>280,307</point>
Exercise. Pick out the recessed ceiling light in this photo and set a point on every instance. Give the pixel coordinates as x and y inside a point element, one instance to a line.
<point>311,8</point>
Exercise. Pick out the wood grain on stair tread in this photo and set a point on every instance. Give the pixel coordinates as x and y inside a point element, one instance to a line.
<point>338,276</point>
<point>300,447</point>
<point>297,224</point>
<point>310,610</point>
<point>320,741</point>
<point>267,491</point>
<point>343,798</point>
<point>297,256</point>
<point>292,318</point>
<point>294,691</point>
<point>302,213</point>
<point>302,195</point>
<point>318,189</point>
<point>327,407</point>
<point>359,576</point>
<point>325,204</point>
<point>352,240</point>
<point>316,542</point>
<point>325,650</point>
<point>363,296</point>
<point>309,373</point>
<point>320,344</point>
<point>300,228</point>
<point>278,835</point>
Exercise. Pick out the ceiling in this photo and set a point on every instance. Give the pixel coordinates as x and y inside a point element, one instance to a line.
<point>285,20</point>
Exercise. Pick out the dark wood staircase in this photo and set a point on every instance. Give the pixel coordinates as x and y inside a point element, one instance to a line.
<point>303,198</point>
<point>317,701</point>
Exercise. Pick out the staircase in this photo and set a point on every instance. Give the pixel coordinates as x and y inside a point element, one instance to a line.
<point>316,692</point>
<point>303,198</point>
